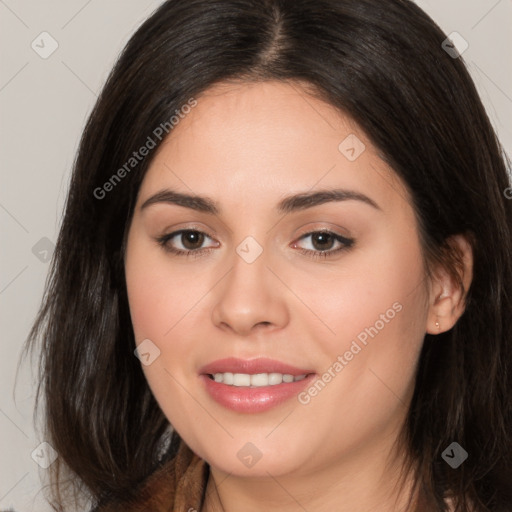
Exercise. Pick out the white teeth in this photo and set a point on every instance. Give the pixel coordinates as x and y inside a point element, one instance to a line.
<point>260,379</point>
<point>275,378</point>
<point>257,380</point>
<point>240,379</point>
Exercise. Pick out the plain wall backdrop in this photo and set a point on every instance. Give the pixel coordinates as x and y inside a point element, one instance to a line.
<point>55,57</point>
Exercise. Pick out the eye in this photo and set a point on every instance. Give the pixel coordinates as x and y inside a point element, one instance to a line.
<point>188,242</point>
<point>324,243</point>
<point>184,242</point>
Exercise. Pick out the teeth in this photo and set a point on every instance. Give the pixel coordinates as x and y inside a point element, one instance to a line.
<point>275,378</point>
<point>257,380</point>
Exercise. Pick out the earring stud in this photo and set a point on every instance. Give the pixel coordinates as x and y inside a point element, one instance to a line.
<point>437,325</point>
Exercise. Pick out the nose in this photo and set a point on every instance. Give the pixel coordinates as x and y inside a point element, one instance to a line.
<point>250,298</point>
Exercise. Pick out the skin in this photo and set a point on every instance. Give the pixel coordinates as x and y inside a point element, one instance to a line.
<point>247,146</point>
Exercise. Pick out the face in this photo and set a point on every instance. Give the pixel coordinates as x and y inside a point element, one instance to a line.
<point>279,315</point>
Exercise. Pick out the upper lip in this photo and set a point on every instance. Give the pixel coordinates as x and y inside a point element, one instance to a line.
<point>251,366</point>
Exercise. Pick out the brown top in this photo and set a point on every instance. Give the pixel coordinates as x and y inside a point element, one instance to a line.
<point>177,486</point>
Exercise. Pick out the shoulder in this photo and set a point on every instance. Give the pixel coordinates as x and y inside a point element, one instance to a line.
<point>180,480</point>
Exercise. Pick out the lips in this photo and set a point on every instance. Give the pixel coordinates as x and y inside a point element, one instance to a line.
<point>252,366</point>
<point>248,398</point>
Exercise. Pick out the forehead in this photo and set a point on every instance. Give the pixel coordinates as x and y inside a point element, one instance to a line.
<point>257,141</point>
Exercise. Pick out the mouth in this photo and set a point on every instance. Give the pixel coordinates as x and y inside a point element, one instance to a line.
<point>253,386</point>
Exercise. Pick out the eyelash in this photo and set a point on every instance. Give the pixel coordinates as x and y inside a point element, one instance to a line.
<point>347,244</point>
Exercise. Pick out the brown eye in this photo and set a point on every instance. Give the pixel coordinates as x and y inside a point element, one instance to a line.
<point>186,242</point>
<point>192,239</point>
<point>324,244</point>
<point>322,241</point>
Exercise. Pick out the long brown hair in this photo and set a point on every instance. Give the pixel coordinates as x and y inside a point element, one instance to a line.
<point>382,63</point>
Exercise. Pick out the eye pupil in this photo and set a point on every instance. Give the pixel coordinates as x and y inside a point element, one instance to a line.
<point>323,239</point>
<point>192,239</point>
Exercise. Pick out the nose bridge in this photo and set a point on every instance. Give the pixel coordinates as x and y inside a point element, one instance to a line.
<point>248,297</point>
<point>248,278</point>
<point>250,266</point>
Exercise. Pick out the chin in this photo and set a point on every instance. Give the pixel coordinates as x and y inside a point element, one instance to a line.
<point>257,458</point>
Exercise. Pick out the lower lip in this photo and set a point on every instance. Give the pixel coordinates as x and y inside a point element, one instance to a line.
<point>253,400</point>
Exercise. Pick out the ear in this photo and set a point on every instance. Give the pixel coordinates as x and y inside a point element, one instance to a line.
<point>447,301</point>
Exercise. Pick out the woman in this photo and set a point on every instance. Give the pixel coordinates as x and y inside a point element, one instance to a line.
<point>282,278</point>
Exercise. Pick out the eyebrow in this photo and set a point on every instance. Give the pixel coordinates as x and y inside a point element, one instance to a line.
<point>289,204</point>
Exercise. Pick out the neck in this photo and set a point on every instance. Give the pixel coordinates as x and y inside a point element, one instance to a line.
<point>351,486</point>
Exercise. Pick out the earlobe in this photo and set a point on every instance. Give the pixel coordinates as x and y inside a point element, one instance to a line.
<point>447,298</point>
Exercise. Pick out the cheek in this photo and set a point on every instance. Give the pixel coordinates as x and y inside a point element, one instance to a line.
<point>159,294</point>
<point>376,290</point>
<point>378,312</point>
<point>161,301</point>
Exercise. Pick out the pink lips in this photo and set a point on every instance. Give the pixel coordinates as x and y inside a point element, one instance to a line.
<point>252,366</point>
<point>252,399</point>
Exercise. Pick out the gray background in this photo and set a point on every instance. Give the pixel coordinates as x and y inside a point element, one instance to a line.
<point>43,107</point>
